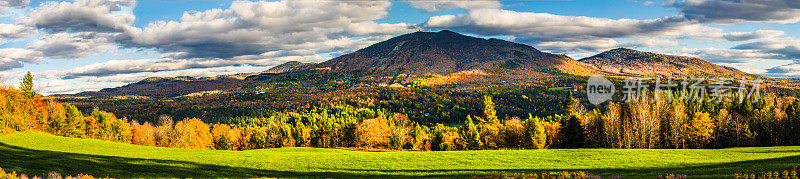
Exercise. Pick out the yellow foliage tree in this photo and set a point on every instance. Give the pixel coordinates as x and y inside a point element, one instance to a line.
<point>701,129</point>
<point>193,134</point>
<point>374,132</point>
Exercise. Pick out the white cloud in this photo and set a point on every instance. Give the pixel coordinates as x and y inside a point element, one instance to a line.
<point>737,11</point>
<point>14,31</point>
<point>437,6</point>
<point>49,84</point>
<point>785,47</point>
<point>549,27</point>
<point>725,55</point>
<point>650,42</point>
<point>13,57</point>
<point>759,34</point>
<point>749,67</point>
<point>66,46</point>
<point>790,70</point>
<point>6,4</point>
<point>81,16</point>
<point>252,28</point>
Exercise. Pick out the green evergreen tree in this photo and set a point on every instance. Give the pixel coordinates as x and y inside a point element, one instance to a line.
<point>470,134</point>
<point>26,86</point>
<point>574,134</point>
<point>74,122</point>
<point>489,113</point>
<point>569,104</point>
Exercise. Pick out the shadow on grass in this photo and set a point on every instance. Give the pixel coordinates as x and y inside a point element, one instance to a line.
<point>38,162</point>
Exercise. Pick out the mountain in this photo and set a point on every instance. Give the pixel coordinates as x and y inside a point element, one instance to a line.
<point>627,62</point>
<point>439,58</point>
<point>290,67</point>
<point>446,52</point>
<point>159,87</point>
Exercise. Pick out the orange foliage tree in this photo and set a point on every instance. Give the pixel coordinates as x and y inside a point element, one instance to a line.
<point>193,133</point>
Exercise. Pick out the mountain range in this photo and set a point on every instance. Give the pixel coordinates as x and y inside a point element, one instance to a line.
<point>434,56</point>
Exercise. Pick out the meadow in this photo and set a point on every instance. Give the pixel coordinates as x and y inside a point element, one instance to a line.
<point>38,153</point>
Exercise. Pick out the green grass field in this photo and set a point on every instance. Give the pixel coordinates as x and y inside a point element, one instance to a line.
<point>35,153</point>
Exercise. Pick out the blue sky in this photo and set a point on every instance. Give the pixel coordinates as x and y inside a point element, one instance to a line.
<point>74,46</point>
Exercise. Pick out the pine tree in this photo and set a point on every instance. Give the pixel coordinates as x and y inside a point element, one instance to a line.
<point>569,104</point>
<point>74,122</point>
<point>489,113</point>
<point>469,132</point>
<point>574,134</point>
<point>26,86</point>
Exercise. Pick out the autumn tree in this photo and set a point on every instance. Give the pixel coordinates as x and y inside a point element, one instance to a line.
<point>165,132</point>
<point>701,129</point>
<point>512,133</point>
<point>535,133</point>
<point>225,138</point>
<point>57,119</point>
<point>112,128</point>
<point>143,134</point>
<point>192,133</point>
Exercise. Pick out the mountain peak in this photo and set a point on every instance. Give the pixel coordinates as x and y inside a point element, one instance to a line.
<point>443,52</point>
<point>625,61</point>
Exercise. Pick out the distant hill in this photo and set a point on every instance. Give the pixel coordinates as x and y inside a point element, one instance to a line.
<point>290,67</point>
<point>158,87</point>
<point>446,52</point>
<point>623,61</point>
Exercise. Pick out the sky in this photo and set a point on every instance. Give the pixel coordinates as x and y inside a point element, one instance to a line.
<point>88,45</point>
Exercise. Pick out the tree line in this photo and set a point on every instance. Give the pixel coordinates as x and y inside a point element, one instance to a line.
<point>680,123</point>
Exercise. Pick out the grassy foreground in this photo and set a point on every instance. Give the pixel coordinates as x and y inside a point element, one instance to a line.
<point>35,153</point>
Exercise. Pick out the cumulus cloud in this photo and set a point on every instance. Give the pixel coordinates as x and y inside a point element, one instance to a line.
<point>81,16</point>
<point>15,31</point>
<point>13,57</point>
<point>729,56</point>
<point>438,6</point>
<point>596,45</point>
<point>117,67</point>
<point>737,11</point>
<point>66,45</point>
<point>48,84</point>
<point>651,42</point>
<point>760,34</point>
<point>258,33</point>
<point>252,28</point>
<point>6,4</point>
<point>785,47</point>
<point>144,65</point>
<point>549,27</point>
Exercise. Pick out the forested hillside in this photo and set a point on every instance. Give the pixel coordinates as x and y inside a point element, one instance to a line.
<point>622,61</point>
